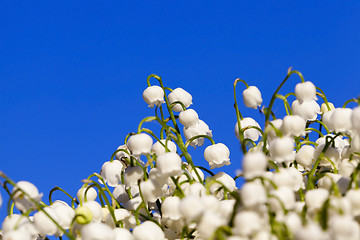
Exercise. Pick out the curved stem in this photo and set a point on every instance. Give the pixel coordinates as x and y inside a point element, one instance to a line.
<point>268,111</point>
<point>62,190</point>
<point>199,136</point>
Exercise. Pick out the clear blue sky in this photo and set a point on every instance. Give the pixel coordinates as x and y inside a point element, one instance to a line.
<point>72,72</point>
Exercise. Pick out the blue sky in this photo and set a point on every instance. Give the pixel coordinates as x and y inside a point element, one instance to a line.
<point>72,73</point>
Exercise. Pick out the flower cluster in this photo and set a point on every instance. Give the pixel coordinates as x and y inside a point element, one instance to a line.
<point>300,175</point>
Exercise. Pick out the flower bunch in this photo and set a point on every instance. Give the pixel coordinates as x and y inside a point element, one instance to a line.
<point>300,176</point>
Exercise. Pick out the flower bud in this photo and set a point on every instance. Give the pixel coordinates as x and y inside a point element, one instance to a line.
<point>83,215</point>
<point>154,95</point>
<point>305,91</point>
<point>91,194</point>
<point>188,117</point>
<point>252,97</point>
<point>324,108</point>
<point>217,155</point>
<point>95,209</point>
<point>139,144</point>
<point>181,95</point>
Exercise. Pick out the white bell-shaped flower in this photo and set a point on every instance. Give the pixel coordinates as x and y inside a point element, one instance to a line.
<point>307,109</point>
<point>191,207</point>
<point>217,155</point>
<point>282,197</point>
<point>159,149</point>
<point>209,222</point>
<point>315,198</point>
<point>179,94</point>
<point>289,177</point>
<point>341,120</point>
<point>97,231</point>
<point>253,194</point>
<point>18,222</point>
<point>123,234</point>
<point>151,190</point>
<point>282,149</point>
<point>353,195</point>
<point>346,167</point>
<point>148,231</point>
<point>225,180</point>
<point>170,208</point>
<point>252,97</point>
<point>195,189</point>
<point>250,133</point>
<point>132,175</point>
<point>355,119</point>
<point>154,96</point>
<point>44,224</point>
<point>254,164</point>
<point>169,164</point>
<point>326,119</point>
<point>23,193</point>
<point>188,118</point>
<point>121,154</point>
<point>123,215</point>
<point>200,128</point>
<point>111,172</point>
<point>344,227</point>
<point>247,223</point>
<point>311,231</point>
<point>305,91</point>
<point>120,193</point>
<point>64,212</point>
<point>270,129</point>
<point>17,234</point>
<point>305,156</point>
<point>91,194</point>
<point>139,144</point>
<point>293,125</point>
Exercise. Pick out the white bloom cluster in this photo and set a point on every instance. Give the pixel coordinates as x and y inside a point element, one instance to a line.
<point>300,178</point>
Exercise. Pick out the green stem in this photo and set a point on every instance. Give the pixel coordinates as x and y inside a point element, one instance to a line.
<point>267,114</point>
<point>199,136</point>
